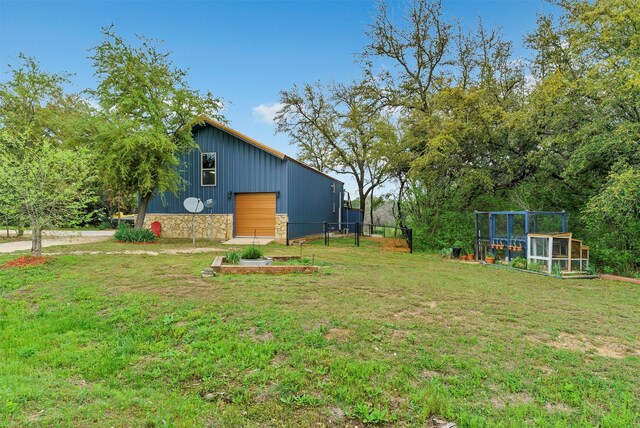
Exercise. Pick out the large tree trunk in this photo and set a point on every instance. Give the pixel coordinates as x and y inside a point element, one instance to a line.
<point>400,218</point>
<point>363,203</point>
<point>36,240</point>
<point>371,207</point>
<point>142,210</point>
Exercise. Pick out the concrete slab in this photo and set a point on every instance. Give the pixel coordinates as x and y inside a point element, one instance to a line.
<point>261,240</point>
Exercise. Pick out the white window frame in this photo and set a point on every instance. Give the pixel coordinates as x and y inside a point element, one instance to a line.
<point>215,169</point>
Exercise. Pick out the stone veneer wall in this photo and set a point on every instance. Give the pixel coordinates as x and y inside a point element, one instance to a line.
<point>179,225</point>
<point>281,227</point>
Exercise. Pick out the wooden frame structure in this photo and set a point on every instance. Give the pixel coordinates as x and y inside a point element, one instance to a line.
<point>562,249</point>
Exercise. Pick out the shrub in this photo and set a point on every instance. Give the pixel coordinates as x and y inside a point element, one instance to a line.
<point>126,233</point>
<point>233,257</point>
<point>519,263</point>
<point>535,267</point>
<point>252,253</point>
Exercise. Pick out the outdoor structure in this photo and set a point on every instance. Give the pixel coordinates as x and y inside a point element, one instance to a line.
<point>507,231</point>
<point>549,249</point>
<point>256,190</point>
<point>539,236</point>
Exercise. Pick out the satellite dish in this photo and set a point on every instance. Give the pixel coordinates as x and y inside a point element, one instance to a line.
<point>209,203</point>
<point>193,205</point>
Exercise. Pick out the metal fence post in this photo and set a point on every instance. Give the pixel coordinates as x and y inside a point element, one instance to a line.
<point>287,234</point>
<point>357,234</point>
<point>326,235</point>
<point>410,234</point>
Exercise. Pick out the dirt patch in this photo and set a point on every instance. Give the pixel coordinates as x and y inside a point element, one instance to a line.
<point>557,408</point>
<point>188,279</point>
<point>395,244</point>
<point>263,337</point>
<point>511,400</point>
<point>430,374</point>
<point>602,346</point>
<point>339,334</point>
<point>25,261</point>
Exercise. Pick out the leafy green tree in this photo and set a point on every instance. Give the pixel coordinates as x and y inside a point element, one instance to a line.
<point>50,185</point>
<point>147,110</point>
<point>43,183</point>
<point>338,128</point>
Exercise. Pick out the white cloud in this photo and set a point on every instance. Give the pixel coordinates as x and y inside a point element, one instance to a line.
<point>267,112</point>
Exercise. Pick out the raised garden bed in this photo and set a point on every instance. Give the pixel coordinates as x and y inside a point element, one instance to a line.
<point>219,267</point>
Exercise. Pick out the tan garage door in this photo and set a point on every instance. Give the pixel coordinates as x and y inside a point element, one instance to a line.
<point>255,213</point>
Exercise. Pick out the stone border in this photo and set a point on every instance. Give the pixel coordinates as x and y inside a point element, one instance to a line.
<point>218,267</point>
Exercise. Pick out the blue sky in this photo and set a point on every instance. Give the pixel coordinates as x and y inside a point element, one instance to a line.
<point>242,51</point>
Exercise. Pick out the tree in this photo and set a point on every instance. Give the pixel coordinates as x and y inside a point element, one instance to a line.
<point>51,186</point>
<point>337,128</point>
<point>147,111</point>
<point>42,182</point>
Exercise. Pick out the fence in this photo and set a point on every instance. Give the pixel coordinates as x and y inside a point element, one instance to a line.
<point>327,231</point>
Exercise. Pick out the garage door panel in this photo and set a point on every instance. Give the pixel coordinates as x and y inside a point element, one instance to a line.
<point>255,213</point>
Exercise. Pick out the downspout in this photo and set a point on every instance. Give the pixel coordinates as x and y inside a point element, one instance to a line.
<point>340,205</point>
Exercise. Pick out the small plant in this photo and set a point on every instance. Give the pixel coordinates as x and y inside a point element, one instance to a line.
<point>555,270</point>
<point>519,263</point>
<point>252,253</point>
<point>446,252</point>
<point>457,244</point>
<point>535,267</point>
<point>126,233</point>
<point>491,254</point>
<point>233,257</point>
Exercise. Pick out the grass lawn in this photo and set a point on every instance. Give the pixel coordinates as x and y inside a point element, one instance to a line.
<point>375,336</point>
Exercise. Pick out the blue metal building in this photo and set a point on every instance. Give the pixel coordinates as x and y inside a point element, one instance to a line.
<point>256,190</point>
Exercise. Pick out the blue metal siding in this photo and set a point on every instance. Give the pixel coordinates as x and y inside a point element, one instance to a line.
<point>310,200</point>
<point>241,167</point>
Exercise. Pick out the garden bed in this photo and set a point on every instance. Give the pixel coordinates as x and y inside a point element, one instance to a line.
<point>219,266</point>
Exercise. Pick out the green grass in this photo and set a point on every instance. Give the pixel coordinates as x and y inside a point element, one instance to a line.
<point>374,337</point>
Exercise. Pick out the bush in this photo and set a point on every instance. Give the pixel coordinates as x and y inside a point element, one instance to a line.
<point>126,233</point>
<point>252,253</point>
<point>519,263</point>
<point>233,257</point>
<point>535,267</point>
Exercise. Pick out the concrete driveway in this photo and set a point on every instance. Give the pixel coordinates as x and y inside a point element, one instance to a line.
<point>58,237</point>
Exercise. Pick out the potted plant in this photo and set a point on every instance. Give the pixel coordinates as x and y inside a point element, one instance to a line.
<point>470,254</point>
<point>490,257</point>
<point>456,249</point>
<point>463,257</point>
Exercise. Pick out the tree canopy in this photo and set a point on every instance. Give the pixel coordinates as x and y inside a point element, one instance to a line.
<point>147,111</point>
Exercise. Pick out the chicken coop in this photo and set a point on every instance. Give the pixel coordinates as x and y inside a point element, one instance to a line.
<point>539,236</point>
<point>561,249</point>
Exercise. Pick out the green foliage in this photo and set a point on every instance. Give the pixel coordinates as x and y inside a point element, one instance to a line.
<point>252,253</point>
<point>126,233</point>
<point>519,263</point>
<point>555,270</point>
<point>233,257</point>
<point>370,415</point>
<point>44,183</point>
<point>534,267</point>
<point>616,208</point>
<point>147,112</point>
<point>446,252</point>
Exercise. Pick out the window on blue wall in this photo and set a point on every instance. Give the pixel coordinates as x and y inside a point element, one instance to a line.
<point>208,167</point>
